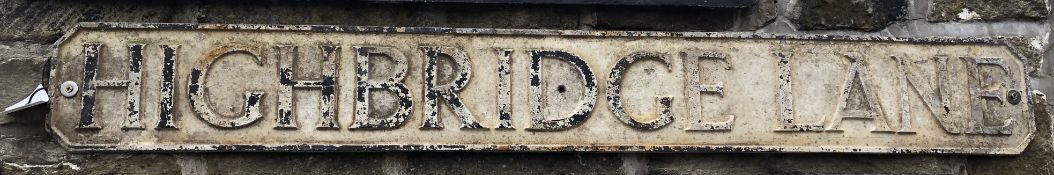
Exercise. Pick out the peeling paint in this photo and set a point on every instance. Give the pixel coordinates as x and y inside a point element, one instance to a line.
<point>746,92</point>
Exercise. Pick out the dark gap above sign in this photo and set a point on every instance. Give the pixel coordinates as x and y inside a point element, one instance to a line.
<point>699,3</point>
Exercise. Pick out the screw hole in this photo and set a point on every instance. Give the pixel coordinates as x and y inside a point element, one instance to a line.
<point>561,89</point>
<point>1014,97</point>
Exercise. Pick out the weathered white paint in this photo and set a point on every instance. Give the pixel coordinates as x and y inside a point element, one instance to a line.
<point>821,68</point>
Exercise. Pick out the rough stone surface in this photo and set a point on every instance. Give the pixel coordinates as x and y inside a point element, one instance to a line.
<point>370,14</point>
<point>664,18</point>
<point>987,10</point>
<point>513,163</point>
<point>294,163</point>
<point>44,21</point>
<point>868,15</point>
<point>505,16</point>
<point>803,164</point>
<point>757,16</point>
<point>1035,159</point>
<point>21,64</point>
<point>100,164</point>
<point>681,18</point>
<point>26,148</point>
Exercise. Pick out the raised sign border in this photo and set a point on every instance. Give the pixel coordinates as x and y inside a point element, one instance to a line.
<point>1005,41</point>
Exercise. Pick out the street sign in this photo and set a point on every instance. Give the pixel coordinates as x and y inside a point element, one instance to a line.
<point>215,87</point>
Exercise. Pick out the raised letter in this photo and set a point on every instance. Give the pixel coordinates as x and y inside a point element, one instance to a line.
<point>288,55</point>
<point>785,102</point>
<point>199,100</point>
<point>132,84</point>
<point>392,84</point>
<point>434,91</point>
<point>585,107</point>
<point>932,94</point>
<point>904,99</point>
<point>981,105</point>
<point>615,102</point>
<point>858,100</point>
<point>168,89</point>
<point>696,89</point>
<point>505,88</point>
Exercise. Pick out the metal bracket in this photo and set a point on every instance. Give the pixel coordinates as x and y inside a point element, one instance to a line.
<point>37,97</point>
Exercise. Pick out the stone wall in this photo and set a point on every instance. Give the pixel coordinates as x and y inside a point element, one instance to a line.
<point>28,27</point>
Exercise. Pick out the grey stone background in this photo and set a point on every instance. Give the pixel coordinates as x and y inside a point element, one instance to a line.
<point>28,27</point>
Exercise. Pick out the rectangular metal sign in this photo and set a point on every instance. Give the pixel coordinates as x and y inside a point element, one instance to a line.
<point>211,87</point>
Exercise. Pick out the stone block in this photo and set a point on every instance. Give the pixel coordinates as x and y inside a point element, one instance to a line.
<point>45,21</point>
<point>672,18</point>
<point>304,13</point>
<point>802,164</point>
<point>26,148</point>
<point>867,15</point>
<point>513,163</point>
<point>294,163</point>
<point>511,16</point>
<point>664,18</point>
<point>99,164</point>
<point>987,10</point>
<point>21,76</point>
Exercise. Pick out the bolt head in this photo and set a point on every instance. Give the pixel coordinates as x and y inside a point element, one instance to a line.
<point>68,89</point>
<point>1014,97</point>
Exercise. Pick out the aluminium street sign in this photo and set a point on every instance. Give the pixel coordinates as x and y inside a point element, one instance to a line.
<point>218,87</point>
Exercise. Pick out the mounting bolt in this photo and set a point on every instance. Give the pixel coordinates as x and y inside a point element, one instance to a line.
<point>68,89</point>
<point>1014,97</point>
